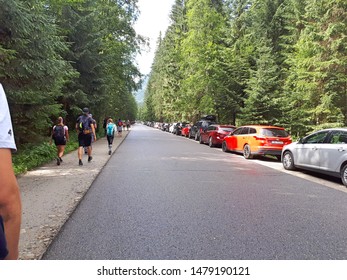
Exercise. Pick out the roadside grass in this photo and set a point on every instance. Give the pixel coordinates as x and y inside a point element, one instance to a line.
<point>32,156</point>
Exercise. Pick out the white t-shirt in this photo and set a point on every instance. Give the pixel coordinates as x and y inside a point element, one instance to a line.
<point>6,130</point>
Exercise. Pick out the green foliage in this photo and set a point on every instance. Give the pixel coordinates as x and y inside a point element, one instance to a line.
<point>59,56</point>
<point>281,62</point>
<point>31,156</point>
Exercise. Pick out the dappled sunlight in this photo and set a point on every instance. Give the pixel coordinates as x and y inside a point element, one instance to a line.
<point>237,161</point>
<point>197,158</point>
<point>59,172</point>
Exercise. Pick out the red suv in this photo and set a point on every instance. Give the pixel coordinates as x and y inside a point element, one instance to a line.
<point>214,134</point>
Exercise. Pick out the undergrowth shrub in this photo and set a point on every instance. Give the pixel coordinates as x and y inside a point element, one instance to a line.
<point>31,156</point>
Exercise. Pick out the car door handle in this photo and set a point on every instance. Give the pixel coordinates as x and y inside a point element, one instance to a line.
<point>341,149</point>
<point>314,149</point>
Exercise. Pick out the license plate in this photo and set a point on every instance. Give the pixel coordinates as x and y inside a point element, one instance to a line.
<point>277,142</point>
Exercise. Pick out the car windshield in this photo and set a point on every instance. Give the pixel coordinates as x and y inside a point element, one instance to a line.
<point>274,132</point>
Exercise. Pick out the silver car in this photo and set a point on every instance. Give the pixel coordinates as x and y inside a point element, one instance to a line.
<point>324,151</point>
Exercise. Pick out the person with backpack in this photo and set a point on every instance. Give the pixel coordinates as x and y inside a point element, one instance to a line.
<point>60,135</point>
<point>104,125</point>
<point>10,201</point>
<point>95,127</point>
<point>110,130</point>
<point>85,129</point>
<point>119,127</point>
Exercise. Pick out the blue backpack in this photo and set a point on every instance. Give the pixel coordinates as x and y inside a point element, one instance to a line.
<point>110,129</point>
<point>84,124</point>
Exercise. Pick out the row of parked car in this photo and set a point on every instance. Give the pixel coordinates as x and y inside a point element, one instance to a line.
<point>324,151</point>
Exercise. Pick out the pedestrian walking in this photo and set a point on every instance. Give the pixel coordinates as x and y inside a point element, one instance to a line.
<point>128,124</point>
<point>104,125</point>
<point>95,127</point>
<point>85,129</point>
<point>119,127</point>
<point>60,135</point>
<point>10,201</point>
<point>111,129</point>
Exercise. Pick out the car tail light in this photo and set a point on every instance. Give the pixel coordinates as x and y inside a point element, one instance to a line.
<point>259,138</point>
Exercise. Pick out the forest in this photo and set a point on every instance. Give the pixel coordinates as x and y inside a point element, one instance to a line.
<point>59,56</point>
<point>279,62</point>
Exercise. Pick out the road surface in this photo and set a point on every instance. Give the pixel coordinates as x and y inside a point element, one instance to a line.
<point>162,196</point>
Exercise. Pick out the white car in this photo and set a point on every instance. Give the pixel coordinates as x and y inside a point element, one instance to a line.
<point>324,151</point>
<point>172,126</point>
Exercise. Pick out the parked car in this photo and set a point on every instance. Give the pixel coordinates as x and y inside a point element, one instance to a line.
<point>324,151</point>
<point>254,140</point>
<point>172,127</point>
<point>179,127</point>
<point>185,130</point>
<point>214,134</point>
<point>165,127</point>
<point>203,123</point>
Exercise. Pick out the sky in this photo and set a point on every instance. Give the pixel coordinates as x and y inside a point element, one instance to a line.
<point>154,17</point>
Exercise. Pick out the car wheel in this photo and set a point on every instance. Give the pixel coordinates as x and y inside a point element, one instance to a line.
<point>247,152</point>
<point>344,175</point>
<point>210,142</point>
<point>288,161</point>
<point>224,147</point>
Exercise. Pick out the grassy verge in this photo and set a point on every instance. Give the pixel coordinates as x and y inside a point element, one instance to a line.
<point>32,156</point>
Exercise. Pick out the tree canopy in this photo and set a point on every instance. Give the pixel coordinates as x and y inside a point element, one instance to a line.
<point>58,56</point>
<point>279,62</point>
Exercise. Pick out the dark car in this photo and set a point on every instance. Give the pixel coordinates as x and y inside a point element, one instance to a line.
<point>199,126</point>
<point>165,127</point>
<point>214,134</point>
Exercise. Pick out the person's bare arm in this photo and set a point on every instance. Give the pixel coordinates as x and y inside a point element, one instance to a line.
<point>67,135</point>
<point>10,203</point>
<point>93,129</point>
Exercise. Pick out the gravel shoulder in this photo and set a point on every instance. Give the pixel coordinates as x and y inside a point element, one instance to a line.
<point>51,193</point>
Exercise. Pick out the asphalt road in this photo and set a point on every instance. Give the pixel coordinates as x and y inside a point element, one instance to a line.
<point>162,196</point>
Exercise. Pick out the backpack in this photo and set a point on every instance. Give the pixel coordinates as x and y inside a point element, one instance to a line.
<point>110,129</point>
<point>58,132</point>
<point>84,124</point>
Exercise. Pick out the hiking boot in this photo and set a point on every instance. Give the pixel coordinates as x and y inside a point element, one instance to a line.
<point>109,152</point>
<point>90,158</point>
<point>61,160</point>
<point>80,162</point>
<point>58,161</point>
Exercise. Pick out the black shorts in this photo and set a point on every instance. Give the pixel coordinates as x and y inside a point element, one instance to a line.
<point>60,141</point>
<point>3,245</point>
<point>84,140</point>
